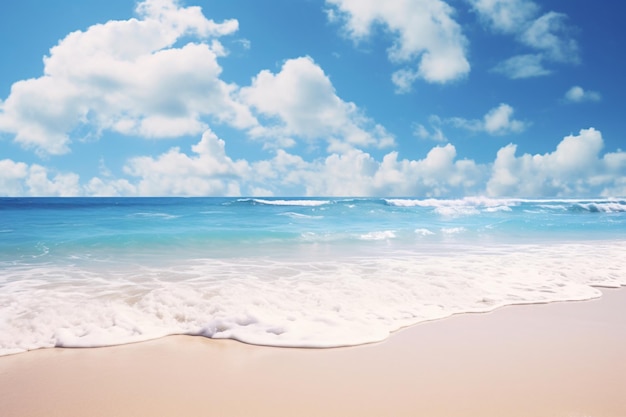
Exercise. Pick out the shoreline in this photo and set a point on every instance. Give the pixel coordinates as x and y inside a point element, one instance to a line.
<point>563,359</point>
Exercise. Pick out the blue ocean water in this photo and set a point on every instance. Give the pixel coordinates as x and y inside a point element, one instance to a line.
<point>315,272</point>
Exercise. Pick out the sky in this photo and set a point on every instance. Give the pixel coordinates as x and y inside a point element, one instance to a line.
<point>403,98</point>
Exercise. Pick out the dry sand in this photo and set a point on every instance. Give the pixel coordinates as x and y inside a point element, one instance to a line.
<point>550,360</point>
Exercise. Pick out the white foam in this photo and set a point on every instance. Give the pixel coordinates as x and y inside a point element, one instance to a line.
<point>306,203</point>
<point>604,207</point>
<point>314,302</point>
<point>469,206</point>
<point>300,215</point>
<point>496,209</point>
<point>156,215</point>
<point>463,202</point>
<point>456,211</point>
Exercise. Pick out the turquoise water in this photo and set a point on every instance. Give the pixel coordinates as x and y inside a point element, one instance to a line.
<point>288,272</point>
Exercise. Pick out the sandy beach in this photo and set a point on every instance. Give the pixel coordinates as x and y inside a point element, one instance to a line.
<point>547,360</point>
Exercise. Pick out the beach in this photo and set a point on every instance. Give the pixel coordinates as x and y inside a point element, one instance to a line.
<point>337,208</point>
<point>561,359</point>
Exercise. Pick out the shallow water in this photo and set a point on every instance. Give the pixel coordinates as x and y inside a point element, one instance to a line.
<point>288,272</point>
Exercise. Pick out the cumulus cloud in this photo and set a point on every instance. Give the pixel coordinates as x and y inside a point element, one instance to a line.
<point>20,179</point>
<point>357,173</point>
<point>497,121</point>
<point>577,94</point>
<point>208,172</point>
<point>12,175</point>
<point>129,77</point>
<point>575,168</point>
<point>300,102</point>
<point>548,36</point>
<point>427,40</point>
<point>61,184</point>
<point>97,187</point>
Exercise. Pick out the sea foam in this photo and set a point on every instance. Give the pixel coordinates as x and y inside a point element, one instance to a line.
<point>297,302</point>
<point>305,203</point>
<point>289,272</point>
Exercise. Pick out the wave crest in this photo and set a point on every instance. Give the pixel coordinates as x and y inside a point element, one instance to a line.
<point>301,202</point>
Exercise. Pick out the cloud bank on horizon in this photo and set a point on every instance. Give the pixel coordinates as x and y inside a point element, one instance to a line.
<point>434,115</point>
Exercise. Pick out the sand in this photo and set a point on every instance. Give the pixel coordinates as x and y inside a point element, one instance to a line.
<point>561,360</point>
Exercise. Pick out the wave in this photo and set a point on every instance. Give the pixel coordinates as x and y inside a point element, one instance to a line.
<point>602,207</point>
<point>581,206</point>
<point>301,302</point>
<point>436,202</point>
<point>475,205</point>
<point>155,215</point>
<point>301,202</point>
<point>456,211</point>
<point>294,215</point>
<point>497,209</point>
<point>462,202</point>
<point>469,206</point>
<point>313,237</point>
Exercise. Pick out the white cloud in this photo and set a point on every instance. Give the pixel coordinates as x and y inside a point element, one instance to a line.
<point>497,121</point>
<point>12,175</point>
<point>403,79</point>
<point>97,187</point>
<point>573,169</point>
<point>188,20</point>
<point>300,102</point>
<point>209,172</point>
<point>425,36</point>
<point>548,36</point>
<point>20,179</point>
<point>577,94</point>
<point>357,173</point>
<point>522,66</point>
<point>127,76</point>
<point>507,16</point>
<point>61,185</point>
<point>435,132</point>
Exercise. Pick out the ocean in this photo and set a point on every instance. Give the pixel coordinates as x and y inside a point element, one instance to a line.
<point>300,272</point>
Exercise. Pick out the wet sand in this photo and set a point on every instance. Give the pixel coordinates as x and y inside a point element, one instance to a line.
<point>547,360</point>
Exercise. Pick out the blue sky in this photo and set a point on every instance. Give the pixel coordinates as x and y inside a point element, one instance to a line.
<point>424,98</point>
